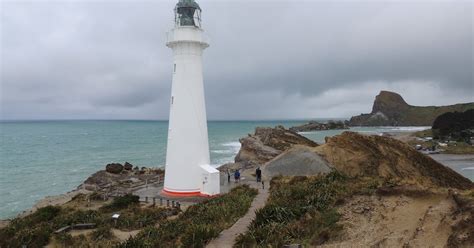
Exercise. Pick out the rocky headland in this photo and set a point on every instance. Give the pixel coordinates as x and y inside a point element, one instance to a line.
<point>390,109</point>
<point>265,144</point>
<point>318,126</point>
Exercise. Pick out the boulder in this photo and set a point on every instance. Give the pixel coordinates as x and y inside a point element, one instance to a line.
<point>114,168</point>
<point>127,166</point>
<point>296,161</point>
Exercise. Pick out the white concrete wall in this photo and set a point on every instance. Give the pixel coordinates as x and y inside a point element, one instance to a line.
<point>188,146</point>
<point>210,180</point>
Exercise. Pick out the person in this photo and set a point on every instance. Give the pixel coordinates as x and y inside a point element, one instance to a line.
<point>258,173</point>
<point>228,176</point>
<point>237,176</point>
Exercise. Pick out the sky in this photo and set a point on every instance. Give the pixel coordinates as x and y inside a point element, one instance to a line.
<point>267,59</point>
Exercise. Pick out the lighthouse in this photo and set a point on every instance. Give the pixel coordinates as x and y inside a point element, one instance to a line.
<point>188,171</point>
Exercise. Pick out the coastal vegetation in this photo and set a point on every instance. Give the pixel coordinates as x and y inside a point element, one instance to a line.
<point>451,133</point>
<point>199,223</point>
<point>302,210</point>
<point>37,229</point>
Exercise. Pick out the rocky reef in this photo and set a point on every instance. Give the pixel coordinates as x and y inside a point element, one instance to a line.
<point>390,109</point>
<point>318,126</point>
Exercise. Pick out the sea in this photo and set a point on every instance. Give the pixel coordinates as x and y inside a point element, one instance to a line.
<point>44,158</point>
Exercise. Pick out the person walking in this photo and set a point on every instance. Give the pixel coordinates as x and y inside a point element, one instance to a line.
<point>258,173</point>
<point>237,176</point>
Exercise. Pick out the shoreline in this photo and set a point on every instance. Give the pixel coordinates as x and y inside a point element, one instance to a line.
<point>62,199</point>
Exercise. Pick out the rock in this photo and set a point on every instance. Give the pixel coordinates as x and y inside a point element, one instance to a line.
<point>231,167</point>
<point>114,168</point>
<point>390,109</point>
<point>355,155</point>
<point>317,126</point>
<point>267,143</point>
<point>296,161</point>
<point>127,166</point>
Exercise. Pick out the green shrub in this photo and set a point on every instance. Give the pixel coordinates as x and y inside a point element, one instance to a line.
<point>121,202</point>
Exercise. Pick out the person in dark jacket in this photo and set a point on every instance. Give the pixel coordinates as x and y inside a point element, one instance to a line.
<point>258,173</point>
<point>237,176</point>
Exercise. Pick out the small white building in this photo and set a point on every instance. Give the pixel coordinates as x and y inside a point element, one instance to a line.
<point>188,172</point>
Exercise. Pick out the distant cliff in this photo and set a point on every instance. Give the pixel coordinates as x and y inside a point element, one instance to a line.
<point>390,109</point>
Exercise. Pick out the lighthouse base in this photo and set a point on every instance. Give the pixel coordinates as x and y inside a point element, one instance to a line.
<point>209,185</point>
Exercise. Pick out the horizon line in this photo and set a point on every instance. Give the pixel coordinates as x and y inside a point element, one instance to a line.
<point>270,119</point>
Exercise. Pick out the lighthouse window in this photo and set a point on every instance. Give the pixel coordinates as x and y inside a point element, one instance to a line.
<point>174,68</point>
<point>172,99</point>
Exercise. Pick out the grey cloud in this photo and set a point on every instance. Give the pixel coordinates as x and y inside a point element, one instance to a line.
<point>287,59</point>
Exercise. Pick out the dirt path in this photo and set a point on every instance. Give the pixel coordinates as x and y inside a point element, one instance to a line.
<point>227,237</point>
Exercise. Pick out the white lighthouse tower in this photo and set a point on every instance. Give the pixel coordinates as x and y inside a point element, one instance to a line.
<point>188,171</point>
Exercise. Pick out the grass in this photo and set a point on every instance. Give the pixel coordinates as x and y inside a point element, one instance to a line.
<point>302,210</point>
<point>36,230</point>
<point>199,223</point>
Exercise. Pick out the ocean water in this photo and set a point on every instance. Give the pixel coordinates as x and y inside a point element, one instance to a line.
<point>41,158</point>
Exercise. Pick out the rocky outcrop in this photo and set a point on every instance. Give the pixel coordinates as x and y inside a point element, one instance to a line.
<point>455,125</point>
<point>127,166</point>
<point>376,156</point>
<point>296,161</point>
<point>114,168</point>
<point>267,143</point>
<point>317,126</point>
<point>390,109</point>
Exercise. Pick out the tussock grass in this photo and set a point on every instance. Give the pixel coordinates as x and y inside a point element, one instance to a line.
<point>199,223</point>
<point>302,210</point>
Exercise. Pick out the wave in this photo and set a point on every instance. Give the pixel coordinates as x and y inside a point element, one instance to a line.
<point>406,128</point>
<point>233,144</point>
<point>468,168</point>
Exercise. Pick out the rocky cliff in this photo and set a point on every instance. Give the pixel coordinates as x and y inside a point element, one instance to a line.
<point>390,109</point>
<point>265,144</point>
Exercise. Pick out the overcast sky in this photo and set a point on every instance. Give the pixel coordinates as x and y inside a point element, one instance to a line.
<point>267,59</point>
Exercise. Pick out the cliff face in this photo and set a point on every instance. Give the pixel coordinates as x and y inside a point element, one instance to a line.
<point>390,109</point>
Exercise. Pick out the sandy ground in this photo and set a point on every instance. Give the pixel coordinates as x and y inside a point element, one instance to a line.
<point>395,221</point>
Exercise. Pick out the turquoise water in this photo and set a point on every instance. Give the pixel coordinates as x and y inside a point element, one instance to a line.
<point>41,158</point>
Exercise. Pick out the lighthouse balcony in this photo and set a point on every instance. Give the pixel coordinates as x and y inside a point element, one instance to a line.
<point>187,34</point>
